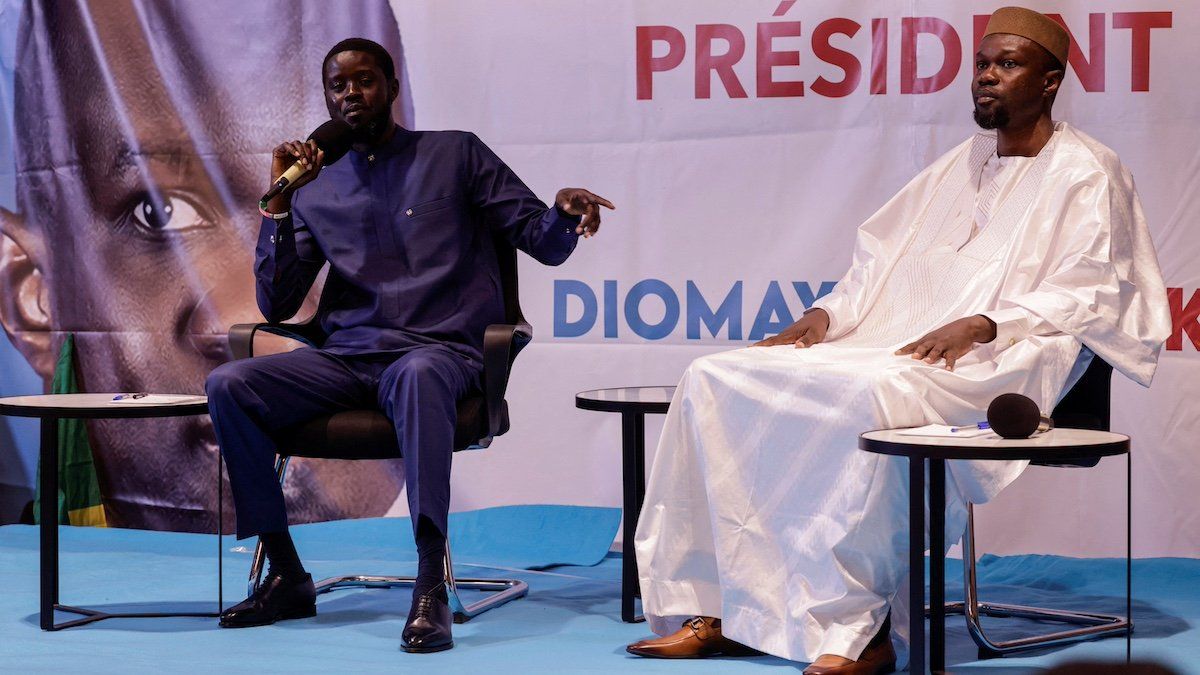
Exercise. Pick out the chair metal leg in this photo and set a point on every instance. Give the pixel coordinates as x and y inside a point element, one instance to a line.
<point>502,590</point>
<point>1094,626</point>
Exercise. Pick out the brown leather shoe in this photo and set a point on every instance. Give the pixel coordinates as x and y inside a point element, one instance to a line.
<point>700,637</point>
<point>877,659</point>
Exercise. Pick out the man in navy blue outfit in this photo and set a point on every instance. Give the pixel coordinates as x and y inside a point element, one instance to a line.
<point>405,222</point>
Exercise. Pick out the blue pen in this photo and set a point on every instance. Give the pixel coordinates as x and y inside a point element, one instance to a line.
<point>123,397</point>
<point>971,427</point>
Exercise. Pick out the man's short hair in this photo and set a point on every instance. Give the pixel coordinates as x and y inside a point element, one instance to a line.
<point>356,44</point>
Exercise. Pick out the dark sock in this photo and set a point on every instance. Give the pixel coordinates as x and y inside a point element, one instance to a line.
<point>281,554</point>
<point>431,553</point>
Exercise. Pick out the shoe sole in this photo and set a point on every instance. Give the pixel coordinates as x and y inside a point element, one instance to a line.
<point>427,650</point>
<point>884,669</point>
<point>706,655</point>
<point>301,613</point>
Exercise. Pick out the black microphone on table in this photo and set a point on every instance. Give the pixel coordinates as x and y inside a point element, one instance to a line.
<point>334,137</point>
<point>1016,416</point>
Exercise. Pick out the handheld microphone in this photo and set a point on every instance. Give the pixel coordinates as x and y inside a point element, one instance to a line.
<point>1016,416</point>
<point>334,137</point>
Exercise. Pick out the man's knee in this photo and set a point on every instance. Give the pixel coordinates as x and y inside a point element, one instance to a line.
<point>421,381</point>
<point>228,382</point>
<point>421,371</point>
<point>710,368</point>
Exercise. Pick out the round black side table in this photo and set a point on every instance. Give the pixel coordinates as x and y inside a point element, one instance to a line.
<point>50,408</point>
<point>1055,445</point>
<point>633,403</point>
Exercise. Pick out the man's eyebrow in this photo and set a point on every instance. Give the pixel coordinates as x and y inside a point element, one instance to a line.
<point>129,157</point>
<point>1003,52</point>
<point>356,71</point>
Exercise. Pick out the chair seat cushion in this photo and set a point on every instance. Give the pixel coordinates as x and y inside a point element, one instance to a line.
<point>369,434</point>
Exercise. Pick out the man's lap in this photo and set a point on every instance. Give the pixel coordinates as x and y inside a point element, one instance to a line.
<point>291,387</point>
<point>831,363</point>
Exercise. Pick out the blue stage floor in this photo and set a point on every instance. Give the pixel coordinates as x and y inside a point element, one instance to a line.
<point>569,623</point>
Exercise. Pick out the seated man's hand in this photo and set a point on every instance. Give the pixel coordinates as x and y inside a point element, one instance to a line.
<point>580,202</point>
<point>806,332</point>
<point>952,341</point>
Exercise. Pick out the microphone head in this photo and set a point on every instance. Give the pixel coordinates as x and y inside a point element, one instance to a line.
<point>1013,416</point>
<point>335,138</point>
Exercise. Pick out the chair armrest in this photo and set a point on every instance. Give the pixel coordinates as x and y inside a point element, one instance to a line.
<point>241,336</point>
<point>501,344</point>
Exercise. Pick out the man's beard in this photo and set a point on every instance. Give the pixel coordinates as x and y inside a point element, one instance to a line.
<point>370,131</point>
<point>997,118</point>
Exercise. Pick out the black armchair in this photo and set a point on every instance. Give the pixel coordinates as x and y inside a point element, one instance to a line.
<point>369,434</point>
<point>1086,406</point>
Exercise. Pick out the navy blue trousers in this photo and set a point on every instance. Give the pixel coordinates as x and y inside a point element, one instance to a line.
<point>418,390</point>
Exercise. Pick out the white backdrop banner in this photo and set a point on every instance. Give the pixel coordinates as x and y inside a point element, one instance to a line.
<point>743,142</point>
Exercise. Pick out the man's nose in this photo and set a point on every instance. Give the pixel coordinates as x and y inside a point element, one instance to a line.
<point>987,76</point>
<point>206,326</point>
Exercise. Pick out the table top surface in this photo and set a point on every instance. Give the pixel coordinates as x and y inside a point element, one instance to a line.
<point>103,405</point>
<point>626,399</point>
<point>1053,444</point>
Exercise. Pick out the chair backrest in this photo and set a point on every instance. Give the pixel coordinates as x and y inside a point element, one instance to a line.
<point>506,256</point>
<point>1086,406</point>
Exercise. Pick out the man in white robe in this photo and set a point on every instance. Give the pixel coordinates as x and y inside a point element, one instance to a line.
<point>986,274</point>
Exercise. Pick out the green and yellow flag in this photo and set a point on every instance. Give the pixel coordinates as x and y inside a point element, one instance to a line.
<point>79,500</point>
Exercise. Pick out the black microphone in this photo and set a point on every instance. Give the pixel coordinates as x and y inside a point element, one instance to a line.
<point>334,137</point>
<point>1016,416</point>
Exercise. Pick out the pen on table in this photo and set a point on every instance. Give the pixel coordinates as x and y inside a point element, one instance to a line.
<point>971,427</point>
<point>124,397</point>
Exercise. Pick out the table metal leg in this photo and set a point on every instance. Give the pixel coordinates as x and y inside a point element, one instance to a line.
<point>1129,554</point>
<point>220,532</point>
<point>937,565</point>
<point>48,488</point>
<point>48,553</point>
<point>633,469</point>
<point>916,563</point>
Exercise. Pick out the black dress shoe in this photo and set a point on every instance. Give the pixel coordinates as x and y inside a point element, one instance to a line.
<point>429,622</point>
<point>276,598</point>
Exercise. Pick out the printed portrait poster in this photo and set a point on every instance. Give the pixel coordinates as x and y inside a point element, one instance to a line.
<point>142,134</point>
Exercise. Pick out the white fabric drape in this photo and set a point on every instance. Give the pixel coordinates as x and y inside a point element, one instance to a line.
<point>760,509</point>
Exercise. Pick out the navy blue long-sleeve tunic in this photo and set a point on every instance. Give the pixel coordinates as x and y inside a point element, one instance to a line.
<point>407,231</point>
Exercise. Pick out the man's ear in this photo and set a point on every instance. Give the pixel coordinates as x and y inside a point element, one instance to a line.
<point>1051,83</point>
<point>393,90</point>
<point>24,296</point>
